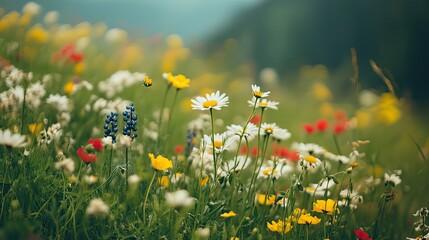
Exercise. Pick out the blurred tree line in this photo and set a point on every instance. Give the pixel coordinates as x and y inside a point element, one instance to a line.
<point>286,34</point>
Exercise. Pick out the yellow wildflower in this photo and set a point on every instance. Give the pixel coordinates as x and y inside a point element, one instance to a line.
<point>228,214</point>
<point>298,212</point>
<point>179,81</point>
<point>8,20</point>
<point>69,87</point>
<point>263,199</point>
<point>329,206</point>
<point>25,19</point>
<point>160,163</point>
<point>363,118</point>
<point>164,181</point>
<point>326,109</point>
<point>37,34</point>
<point>204,181</point>
<point>35,128</point>
<point>279,227</point>
<point>79,68</point>
<point>387,111</point>
<point>321,92</point>
<point>308,219</point>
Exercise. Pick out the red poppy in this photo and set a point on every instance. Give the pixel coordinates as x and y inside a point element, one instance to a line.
<point>340,115</point>
<point>322,125</point>
<point>86,157</point>
<point>254,152</point>
<point>96,143</point>
<point>339,127</point>
<point>362,235</point>
<point>255,119</point>
<point>243,150</point>
<point>281,152</point>
<point>76,57</point>
<point>293,156</point>
<point>178,149</point>
<point>309,128</point>
<point>68,54</point>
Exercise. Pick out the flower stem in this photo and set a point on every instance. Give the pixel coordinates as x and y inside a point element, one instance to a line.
<point>110,161</point>
<point>146,197</point>
<point>126,168</point>
<point>161,113</point>
<point>23,110</point>
<point>213,147</point>
<point>257,157</point>
<point>171,110</point>
<point>306,234</point>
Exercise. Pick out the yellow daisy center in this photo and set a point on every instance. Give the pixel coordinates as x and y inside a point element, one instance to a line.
<point>263,104</point>
<point>210,103</point>
<point>269,171</point>
<point>217,144</point>
<point>257,94</point>
<point>147,81</point>
<point>310,159</point>
<point>269,130</point>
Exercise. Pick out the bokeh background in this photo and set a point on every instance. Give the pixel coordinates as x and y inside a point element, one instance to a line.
<point>281,34</point>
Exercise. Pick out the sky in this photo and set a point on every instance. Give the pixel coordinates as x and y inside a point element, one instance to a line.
<point>191,19</point>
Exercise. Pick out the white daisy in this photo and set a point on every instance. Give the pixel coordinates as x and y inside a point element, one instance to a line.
<point>249,132</point>
<point>221,142</point>
<point>281,134</point>
<point>237,165</point>
<point>9,139</point>
<point>273,169</point>
<point>178,199</point>
<point>392,179</point>
<point>307,148</point>
<point>263,103</point>
<point>337,158</point>
<point>202,159</point>
<point>268,128</point>
<point>310,163</point>
<point>257,92</point>
<point>59,102</point>
<point>211,101</point>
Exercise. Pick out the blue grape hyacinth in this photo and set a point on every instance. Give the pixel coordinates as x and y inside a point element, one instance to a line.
<point>111,126</point>
<point>130,119</point>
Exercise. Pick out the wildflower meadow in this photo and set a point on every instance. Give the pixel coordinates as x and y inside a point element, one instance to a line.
<point>106,135</point>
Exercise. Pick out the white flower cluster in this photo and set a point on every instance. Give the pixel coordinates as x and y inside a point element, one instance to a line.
<point>179,199</point>
<point>118,81</point>
<point>53,133</point>
<point>14,96</point>
<point>12,140</point>
<point>105,106</point>
<point>64,163</point>
<point>97,207</point>
<point>350,199</point>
